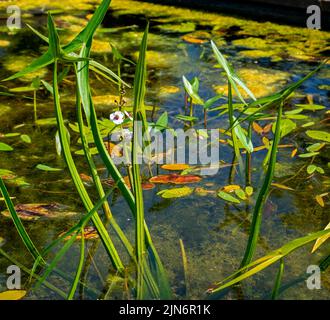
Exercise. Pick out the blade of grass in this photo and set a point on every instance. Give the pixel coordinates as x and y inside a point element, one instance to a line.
<point>18,223</point>
<point>278,280</point>
<point>263,194</point>
<point>77,180</point>
<point>79,268</point>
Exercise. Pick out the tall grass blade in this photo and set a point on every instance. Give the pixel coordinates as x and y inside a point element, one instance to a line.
<point>78,182</point>
<point>18,223</point>
<point>278,280</point>
<point>263,194</point>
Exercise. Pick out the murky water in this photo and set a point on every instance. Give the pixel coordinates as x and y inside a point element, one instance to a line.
<point>267,56</point>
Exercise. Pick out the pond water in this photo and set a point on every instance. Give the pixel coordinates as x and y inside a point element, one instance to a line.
<point>214,232</point>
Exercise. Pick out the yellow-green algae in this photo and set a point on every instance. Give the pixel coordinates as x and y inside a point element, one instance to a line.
<point>260,81</point>
<point>17,63</point>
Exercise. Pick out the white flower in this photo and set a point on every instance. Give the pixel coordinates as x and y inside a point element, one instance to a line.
<point>117,117</point>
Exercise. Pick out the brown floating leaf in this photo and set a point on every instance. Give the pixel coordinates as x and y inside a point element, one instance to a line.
<point>89,234</point>
<point>114,150</point>
<point>194,40</point>
<point>175,167</point>
<point>175,179</point>
<point>267,127</point>
<point>257,128</point>
<point>35,211</point>
<point>145,185</point>
<point>86,178</point>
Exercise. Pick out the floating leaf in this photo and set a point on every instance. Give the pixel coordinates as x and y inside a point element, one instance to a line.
<point>296,116</point>
<point>114,150</point>
<point>308,155</point>
<point>319,135</point>
<point>315,147</point>
<point>12,134</point>
<point>312,107</point>
<point>287,126</point>
<point>319,170</point>
<point>44,167</point>
<point>249,190</point>
<point>175,179</point>
<point>5,147</point>
<point>175,193</point>
<point>90,233</point>
<point>12,295</point>
<point>25,138</point>
<point>311,168</point>
<point>175,167</point>
<point>204,192</point>
<point>35,211</point>
<point>308,124</point>
<point>240,193</point>
<point>86,178</point>
<point>321,240</point>
<point>258,129</point>
<point>46,122</point>
<point>227,197</point>
<point>231,188</point>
